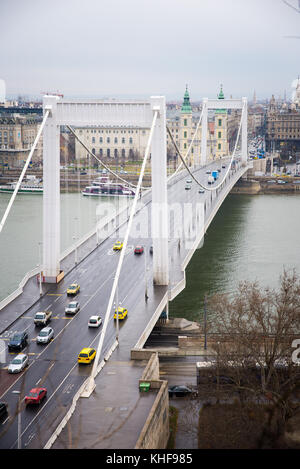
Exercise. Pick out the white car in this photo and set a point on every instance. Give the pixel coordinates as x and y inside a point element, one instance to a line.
<point>95,321</point>
<point>19,363</point>
<point>72,308</point>
<point>45,335</point>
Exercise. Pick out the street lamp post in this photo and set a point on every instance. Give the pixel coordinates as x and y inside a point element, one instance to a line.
<point>40,269</point>
<point>205,325</point>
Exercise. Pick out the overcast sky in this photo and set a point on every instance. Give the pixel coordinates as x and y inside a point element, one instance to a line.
<point>113,48</point>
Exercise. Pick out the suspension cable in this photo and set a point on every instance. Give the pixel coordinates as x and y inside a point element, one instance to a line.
<point>191,174</point>
<point>101,162</point>
<point>120,263</point>
<point>23,171</point>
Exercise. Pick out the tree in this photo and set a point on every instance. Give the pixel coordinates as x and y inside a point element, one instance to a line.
<point>253,331</point>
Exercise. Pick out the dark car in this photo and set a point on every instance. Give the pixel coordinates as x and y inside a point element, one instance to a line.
<point>180,391</point>
<point>17,341</point>
<point>139,250</point>
<point>3,410</point>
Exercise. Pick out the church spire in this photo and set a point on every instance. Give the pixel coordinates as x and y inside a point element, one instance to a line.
<point>186,106</point>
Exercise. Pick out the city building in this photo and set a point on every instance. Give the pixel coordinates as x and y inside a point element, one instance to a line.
<point>282,127</point>
<point>17,135</point>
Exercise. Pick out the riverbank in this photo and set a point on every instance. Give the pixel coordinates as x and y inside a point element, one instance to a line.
<point>263,185</point>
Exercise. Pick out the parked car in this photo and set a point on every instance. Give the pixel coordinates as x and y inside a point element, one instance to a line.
<point>72,308</point>
<point>139,250</point>
<point>17,341</point>
<point>86,355</point>
<point>19,363</point>
<point>3,410</point>
<point>95,321</point>
<point>35,396</point>
<point>180,391</point>
<point>45,335</point>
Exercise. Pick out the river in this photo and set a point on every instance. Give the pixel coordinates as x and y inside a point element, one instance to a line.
<point>251,238</point>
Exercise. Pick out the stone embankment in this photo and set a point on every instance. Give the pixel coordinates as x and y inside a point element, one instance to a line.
<point>263,185</point>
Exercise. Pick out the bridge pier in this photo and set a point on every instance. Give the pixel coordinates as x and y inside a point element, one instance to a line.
<point>159,213</point>
<point>51,194</point>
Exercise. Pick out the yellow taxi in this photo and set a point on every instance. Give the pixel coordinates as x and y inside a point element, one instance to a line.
<point>73,289</point>
<point>118,246</point>
<point>122,313</point>
<point>86,355</point>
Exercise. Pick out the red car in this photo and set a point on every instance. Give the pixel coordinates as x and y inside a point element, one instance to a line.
<point>139,250</point>
<point>35,396</point>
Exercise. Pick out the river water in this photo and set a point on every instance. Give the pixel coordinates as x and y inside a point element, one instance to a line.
<point>251,238</point>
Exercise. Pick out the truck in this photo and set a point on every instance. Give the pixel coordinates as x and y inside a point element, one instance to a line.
<point>215,174</point>
<point>41,318</point>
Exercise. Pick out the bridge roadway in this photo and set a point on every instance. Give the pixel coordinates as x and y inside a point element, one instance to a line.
<point>55,365</point>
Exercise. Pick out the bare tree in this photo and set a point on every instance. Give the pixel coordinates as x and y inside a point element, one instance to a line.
<point>252,333</point>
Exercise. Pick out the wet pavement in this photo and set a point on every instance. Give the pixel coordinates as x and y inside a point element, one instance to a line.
<point>120,409</point>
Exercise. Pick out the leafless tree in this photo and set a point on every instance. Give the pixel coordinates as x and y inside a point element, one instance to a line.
<point>252,333</point>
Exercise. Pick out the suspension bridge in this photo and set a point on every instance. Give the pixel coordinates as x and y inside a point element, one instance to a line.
<point>167,218</point>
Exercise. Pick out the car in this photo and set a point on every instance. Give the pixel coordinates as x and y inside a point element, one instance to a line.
<point>281,182</point>
<point>95,321</point>
<point>210,180</point>
<point>45,335</point>
<point>73,289</point>
<point>3,409</point>
<point>17,341</point>
<point>187,187</point>
<point>201,191</point>
<point>223,166</point>
<point>139,250</point>
<point>72,308</point>
<point>189,181</point>
<point>208,171</point>
<point>86,355</point>
<point>19,363</point>
<point>118,246</point>
<point>35,396</point>
<point>180,391</point>
<point>82,173</point>
<point>122,313</point>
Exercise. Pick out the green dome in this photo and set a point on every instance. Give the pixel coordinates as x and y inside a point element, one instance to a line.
<point>186,107</point>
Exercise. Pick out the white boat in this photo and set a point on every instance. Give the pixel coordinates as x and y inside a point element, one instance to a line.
<point>32,186</point>
<point>103,187</point>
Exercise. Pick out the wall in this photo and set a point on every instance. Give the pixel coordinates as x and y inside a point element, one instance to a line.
<point>155,433</point>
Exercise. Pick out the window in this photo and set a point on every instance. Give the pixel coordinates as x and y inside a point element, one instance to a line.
<point>93,140</point>
<point>108,153</point>
<point>220,122</point>
<point>116,153</point>
<point>219,146</point>
<point>185,122</point>
<point>108,140</point>
<point>123,140</point>
<point>219,134</point>
<point>184,134</point>
<point>100,140</point>
<point>130,140</point>
<point>101,152</point>
<point>123,153</point>
<point>116,140</point>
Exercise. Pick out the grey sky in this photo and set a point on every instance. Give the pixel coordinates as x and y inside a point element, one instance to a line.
<point>146,47</point>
